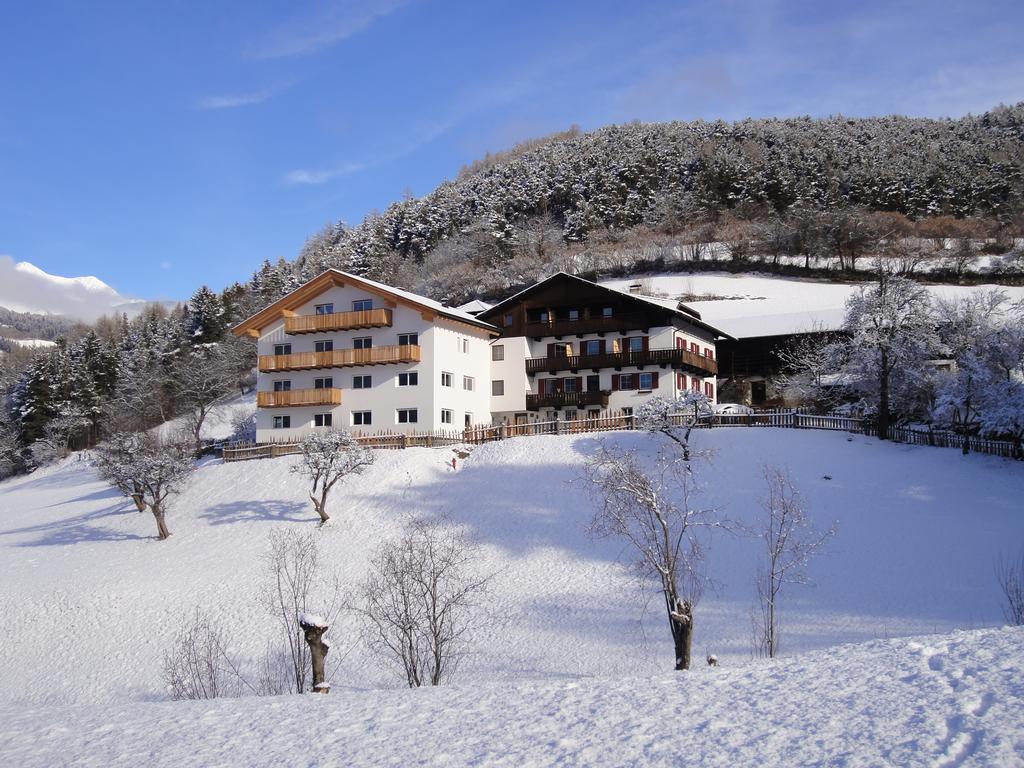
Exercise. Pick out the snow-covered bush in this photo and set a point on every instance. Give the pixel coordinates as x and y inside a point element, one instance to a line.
<point>674,418</point>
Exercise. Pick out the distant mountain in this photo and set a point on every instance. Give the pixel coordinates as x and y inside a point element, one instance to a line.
<point>24,287</point>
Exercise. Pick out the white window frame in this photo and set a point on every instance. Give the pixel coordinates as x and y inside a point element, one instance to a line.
<point>447,415</point>
<point>407,412</point>
<point>362,342</point>
<point>497,387</point>
<point>447,379</point>
<point>324,309</point>
<point>497,352</point>
<point>469,383</point>
<point>328,345</point>
<point>326,420</point>
<point>282,422</point>
<point>357,305</point>
<point>323,382</point>
<point>412,379</point>
<point>415,342</point>
<point>365,418</point>
<point>362,381</point>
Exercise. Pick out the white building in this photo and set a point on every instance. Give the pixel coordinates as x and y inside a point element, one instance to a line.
<point>570,348</point>
<point>345,352</point>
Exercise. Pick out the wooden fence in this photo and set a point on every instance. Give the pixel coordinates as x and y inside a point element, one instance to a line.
<point>610,422</point>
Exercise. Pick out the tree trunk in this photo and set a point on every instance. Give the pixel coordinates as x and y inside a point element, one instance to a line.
<point>883,398</point>
<point>139,503</point>
<point>318,650</point>
<point>681,620</point>
<point>320,505</point>
<point>161,524</point>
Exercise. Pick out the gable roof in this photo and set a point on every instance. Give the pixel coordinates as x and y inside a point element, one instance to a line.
<point>333,277</point>
<point>691,316</point>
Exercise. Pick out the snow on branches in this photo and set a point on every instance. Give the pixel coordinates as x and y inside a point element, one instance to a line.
<point>674,418</point>
<point>327,458</point>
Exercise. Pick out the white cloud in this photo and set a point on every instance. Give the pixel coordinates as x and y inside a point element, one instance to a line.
<point>234,100</point>
<point>314,32</point>
<point>303,176</point>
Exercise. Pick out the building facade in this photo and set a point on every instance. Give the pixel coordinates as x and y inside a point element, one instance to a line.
<point>570,348</point>
<point>344,352</point>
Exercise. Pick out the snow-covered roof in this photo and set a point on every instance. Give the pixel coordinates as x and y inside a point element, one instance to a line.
<point>475,306</point>
<point>318,284</point>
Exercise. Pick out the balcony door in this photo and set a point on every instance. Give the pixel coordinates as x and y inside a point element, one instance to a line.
<point>593,383</point>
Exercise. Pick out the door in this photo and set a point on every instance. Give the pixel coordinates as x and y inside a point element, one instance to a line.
<point>593,383</point>
<point>758,392</point>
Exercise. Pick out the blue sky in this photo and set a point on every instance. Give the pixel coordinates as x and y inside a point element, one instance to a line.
<point>164,145</point>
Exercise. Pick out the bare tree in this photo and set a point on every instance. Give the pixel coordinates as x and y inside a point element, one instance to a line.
<point>1010,574</point>
<point>115,460</point>
<point>294,585</point>
<point>659,516</point>
<point>313,630</point>
<point>674,418</point>
<point>327,458</point>
<point>154,471</point>
<point>420,602</point>
<point>199,665</point>
<point>200,380</point>
<point>790,541</point>
<point>807,363</point>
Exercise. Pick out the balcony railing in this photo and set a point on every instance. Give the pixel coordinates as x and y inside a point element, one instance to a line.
<point>299,397</point>
<point>340,358</point>
<point>567,399</point>
<point>678,358</point>
<point>338,321</point>
<point>561,327</point>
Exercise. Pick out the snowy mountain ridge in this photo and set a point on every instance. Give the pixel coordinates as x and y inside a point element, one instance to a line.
<point>24,287</point>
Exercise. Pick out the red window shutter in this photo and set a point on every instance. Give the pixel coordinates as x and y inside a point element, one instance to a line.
<point>680,381</point>
<point>654,380</point>
<point>696,384</point>
<point>709,389</point>
<point>709,352</point>
<point>680,342</point>
<point>615,382</point>
<point>695,347</point>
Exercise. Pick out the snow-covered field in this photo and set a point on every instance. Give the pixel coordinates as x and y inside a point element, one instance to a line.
<point>765,305</point>
<point>90,601</point>
<point>932,701</point>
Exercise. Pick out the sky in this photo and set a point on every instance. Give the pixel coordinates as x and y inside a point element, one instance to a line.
<point>161,146</point>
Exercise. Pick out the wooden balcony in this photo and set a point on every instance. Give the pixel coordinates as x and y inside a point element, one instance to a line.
<point>558,327</point>
<point>682,359</point>
<point>338,321</point>
<point>299,397</point>
<point>339,358</point>
<point>567,400</point>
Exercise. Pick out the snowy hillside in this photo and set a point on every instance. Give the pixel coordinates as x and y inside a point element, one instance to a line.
<point>931,701</point>
<point>763,305</point>
<point>919,529</point>
<point>26,288</point>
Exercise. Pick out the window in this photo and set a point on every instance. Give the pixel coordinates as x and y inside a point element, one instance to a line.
<point>362,305</point>
<point>464,345</point>
<point>363,381</point>
<point>695,347</point>
<point>574,314</point>
<point>627,411</point>
<point>362,418</point>
<point>559,350</point>
<point>498,352</point>
<point>592,347</point>
<point>709,352</point>
<point>507,321</point>
<point>695,383</point>
<point>467,420</point>
<point>325,383</point>
<point>408,339</point>
<point>322,420</point>
<point>408,416</point>
<point>570,415</point>
<point>497,387</point>
<point>606,311</point>
<point>680,380</point>
<point>594,382</point>
<point>446,416</point>
<point>446,379</point>
<point>323,346</point>
<point>626,381</point>
<point>283,386</point>
<point>568,385</point>
<point>324,309</point>
<point>363,342</point>
<point>646,381</point>
<point>468,383</point>
<point>282,349</point>
<point>282,422</point>
<point>410,379</point>
<point>635,344</point>
<point>709,390</point>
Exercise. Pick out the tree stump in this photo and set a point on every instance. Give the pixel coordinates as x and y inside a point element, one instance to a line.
<point>314,627</point>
